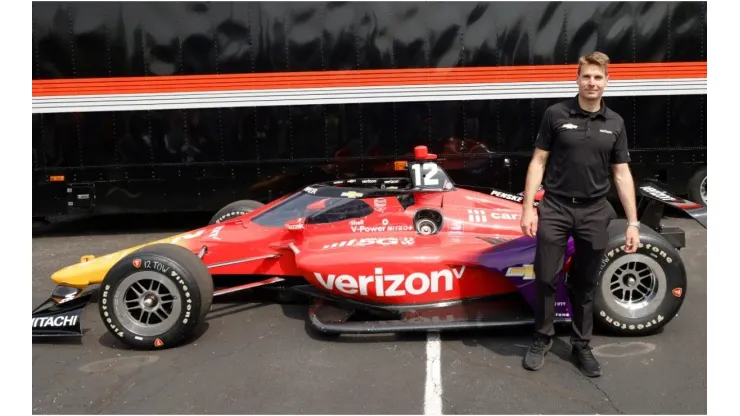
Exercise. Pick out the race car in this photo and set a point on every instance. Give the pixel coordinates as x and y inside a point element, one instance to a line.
<point>375,255</point>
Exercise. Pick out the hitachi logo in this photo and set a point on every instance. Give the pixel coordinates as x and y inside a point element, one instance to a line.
<point>417,283</point>
<point>54,321</point>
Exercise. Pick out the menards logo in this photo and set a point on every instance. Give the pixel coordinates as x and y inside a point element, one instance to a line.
<point>384,285</point>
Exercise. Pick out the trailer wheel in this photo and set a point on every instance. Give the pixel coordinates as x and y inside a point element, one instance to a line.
<point>156,296</point>
<point>638,293</point>
<point>697,188</point>
<point>234,210</point>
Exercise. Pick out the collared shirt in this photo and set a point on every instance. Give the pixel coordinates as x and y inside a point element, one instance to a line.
<point>581,147</point>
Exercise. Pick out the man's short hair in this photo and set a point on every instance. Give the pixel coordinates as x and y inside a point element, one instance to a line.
<point>595,58</point>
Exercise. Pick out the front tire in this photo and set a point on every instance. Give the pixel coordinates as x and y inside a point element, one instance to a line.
<point>639,293</point>
<point>156,296</point>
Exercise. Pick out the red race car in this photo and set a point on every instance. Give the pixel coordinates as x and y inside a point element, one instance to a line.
<point>414,253</point>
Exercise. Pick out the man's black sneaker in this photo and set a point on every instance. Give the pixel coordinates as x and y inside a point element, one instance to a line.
<point>535,358</point>
<point>586,361</point>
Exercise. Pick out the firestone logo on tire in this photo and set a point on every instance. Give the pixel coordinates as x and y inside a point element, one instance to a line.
<point>388,285</point>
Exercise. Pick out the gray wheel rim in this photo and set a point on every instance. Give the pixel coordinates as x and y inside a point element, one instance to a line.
<point>147,303</point>
<point>634,285</point>
<point>703,190</point>
<point>426,227</point>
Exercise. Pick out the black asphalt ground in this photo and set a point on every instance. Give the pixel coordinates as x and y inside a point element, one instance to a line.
<point>261,359</point>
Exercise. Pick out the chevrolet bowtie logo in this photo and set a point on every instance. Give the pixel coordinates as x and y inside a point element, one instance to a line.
<point>351,194</point>
<point>526,272</point>
<point>570,126</point>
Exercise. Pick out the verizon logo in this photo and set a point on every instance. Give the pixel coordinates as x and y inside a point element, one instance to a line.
<point>387,285</point>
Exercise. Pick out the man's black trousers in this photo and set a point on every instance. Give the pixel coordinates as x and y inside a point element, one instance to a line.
<point>587,221</point>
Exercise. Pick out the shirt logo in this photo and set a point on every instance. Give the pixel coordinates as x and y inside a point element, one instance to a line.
<point>569,126</point>
<point>606,131</point>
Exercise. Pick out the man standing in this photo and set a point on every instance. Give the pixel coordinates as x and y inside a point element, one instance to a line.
<point>577,142</point>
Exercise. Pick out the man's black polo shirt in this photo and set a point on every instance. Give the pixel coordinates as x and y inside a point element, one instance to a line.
<point>581,147</point>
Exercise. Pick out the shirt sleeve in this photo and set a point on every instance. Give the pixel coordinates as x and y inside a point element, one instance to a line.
<point>544,135</point>
<point>620,151</point>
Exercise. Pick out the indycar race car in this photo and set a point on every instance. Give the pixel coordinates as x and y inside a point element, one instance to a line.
<point>377,255</point>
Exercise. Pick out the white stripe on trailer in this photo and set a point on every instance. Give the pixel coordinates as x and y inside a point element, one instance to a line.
<point>350,95</point>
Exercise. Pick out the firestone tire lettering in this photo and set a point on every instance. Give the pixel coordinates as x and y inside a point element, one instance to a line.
<point>648,324</point>
<point>235,209</point>
<point>194,288</point>
<point>657,248</point>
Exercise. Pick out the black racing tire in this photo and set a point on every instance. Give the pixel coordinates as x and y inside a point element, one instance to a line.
<point>235,209</point>
<point>698,182</point>
<point>661,274</point>
<point>166,270</point>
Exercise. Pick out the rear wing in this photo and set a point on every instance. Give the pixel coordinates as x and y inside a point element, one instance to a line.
<point>650,207</point>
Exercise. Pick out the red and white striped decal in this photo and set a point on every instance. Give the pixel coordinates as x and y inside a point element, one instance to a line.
<point>357,86</point>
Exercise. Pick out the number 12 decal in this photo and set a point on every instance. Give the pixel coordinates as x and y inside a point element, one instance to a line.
<point>430,169</point>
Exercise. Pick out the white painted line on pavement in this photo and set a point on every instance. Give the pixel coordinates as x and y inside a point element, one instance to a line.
<point>433,385</point>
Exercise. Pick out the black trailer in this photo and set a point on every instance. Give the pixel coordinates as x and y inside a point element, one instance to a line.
<point>167,107</point>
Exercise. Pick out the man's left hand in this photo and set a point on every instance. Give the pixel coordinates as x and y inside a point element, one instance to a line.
<point>633,239</point>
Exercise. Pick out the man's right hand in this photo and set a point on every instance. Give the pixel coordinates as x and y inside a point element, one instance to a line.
<point>529,222</point>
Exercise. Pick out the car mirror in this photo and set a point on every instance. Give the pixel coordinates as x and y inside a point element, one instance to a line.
<point>320,204</point>
<point>295,224</point>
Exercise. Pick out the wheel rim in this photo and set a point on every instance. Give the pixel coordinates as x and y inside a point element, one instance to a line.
<point>634,285</point>
<point>426,227</point>
<point>147,303</point>
<point>703,190</point>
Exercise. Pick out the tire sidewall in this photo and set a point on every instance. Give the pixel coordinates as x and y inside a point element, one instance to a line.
<point>233,210</point>
<point>187,292</point>
<point>225,216</point>
<point>694,187</point>
<point>668,258</point>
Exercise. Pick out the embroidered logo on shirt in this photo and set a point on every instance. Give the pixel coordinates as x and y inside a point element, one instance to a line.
<point>569,126</point>
<point>606,131</point>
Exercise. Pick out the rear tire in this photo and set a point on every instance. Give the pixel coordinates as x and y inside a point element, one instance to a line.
<point>697,188</point>
<point>156,296</point>
<point>639,293</point>
<point>235,209</point>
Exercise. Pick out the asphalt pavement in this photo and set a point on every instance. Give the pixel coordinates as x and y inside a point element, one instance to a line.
<point>261,358</point>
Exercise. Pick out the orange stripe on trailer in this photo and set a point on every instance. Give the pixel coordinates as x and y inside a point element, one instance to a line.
<point>355,78</point>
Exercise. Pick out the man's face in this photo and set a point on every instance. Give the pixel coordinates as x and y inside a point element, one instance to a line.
<point>591,82</point>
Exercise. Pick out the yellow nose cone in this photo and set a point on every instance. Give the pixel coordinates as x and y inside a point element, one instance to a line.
<point>92,270</point>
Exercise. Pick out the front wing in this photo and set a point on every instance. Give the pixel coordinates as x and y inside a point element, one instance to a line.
<point>61,314</point>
